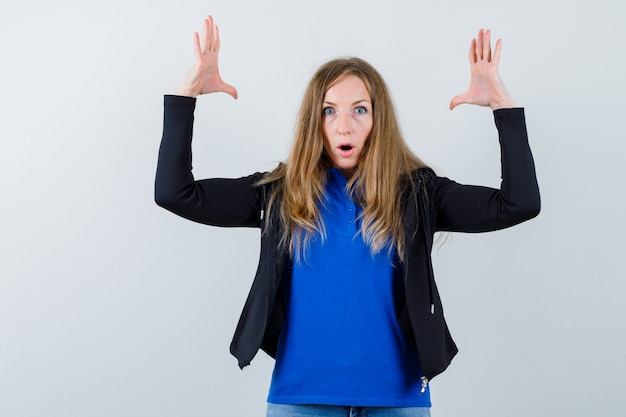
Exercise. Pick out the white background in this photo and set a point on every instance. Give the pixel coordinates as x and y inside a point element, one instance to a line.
<point>111,306</point>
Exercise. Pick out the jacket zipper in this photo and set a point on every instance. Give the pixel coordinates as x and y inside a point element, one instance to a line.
<point>422,208</point>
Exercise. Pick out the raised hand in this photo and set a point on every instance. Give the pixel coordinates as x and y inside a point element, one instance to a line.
<point>204,76</point>
<point>486,87</point>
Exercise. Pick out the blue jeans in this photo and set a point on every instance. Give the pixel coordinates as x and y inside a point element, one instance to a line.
<point>289,410</point>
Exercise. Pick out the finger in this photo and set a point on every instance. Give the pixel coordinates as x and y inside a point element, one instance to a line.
<point>197,49</point>
<point>496,53</point>
<point>472,52</point>
<point>215,44</point>
<point>210,34</point>
<point>487,46</point>
<point>479,44</point>
<point>205,34</point>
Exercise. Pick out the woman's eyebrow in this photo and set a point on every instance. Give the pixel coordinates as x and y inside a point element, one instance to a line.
<point>330,103</point>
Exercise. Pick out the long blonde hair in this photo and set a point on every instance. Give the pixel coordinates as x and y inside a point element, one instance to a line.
<point>376,184</point>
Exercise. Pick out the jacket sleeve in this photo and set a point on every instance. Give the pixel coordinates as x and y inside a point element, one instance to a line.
<point>464,208</point>
<point>216,201</point>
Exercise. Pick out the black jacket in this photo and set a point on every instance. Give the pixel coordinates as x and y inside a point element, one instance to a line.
<point>442,205</point>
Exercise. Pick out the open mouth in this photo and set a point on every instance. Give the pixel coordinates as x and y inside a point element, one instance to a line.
<point>345,147</point>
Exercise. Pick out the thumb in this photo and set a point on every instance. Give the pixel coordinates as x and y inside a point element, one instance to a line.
<point>230,90</point>
<point>460,99</point>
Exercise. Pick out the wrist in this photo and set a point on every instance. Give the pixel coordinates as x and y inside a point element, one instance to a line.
<point>507,103</point>
<point>188,86</point>
<point>185,92</point>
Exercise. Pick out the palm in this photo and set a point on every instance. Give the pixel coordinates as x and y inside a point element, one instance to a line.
<point>204,77</point>
<point>486,87</point>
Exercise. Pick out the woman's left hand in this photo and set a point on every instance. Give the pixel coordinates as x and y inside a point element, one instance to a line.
<point>486,87</point>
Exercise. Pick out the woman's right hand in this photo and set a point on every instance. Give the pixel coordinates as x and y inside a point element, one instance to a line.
<point>204,76</point>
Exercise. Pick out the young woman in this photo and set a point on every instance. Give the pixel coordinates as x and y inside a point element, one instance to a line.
<point>344,296</point>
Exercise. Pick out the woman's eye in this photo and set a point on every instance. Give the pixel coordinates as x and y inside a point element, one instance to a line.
<point>360,110</point>
<point>328,111</point>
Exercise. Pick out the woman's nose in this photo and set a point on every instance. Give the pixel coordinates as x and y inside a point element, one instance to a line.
<point>343,121</point>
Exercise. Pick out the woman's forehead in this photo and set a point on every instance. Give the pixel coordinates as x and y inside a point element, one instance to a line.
<point>347,87</point>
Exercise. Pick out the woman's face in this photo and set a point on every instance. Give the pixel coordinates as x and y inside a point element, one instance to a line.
<point>346,122</point>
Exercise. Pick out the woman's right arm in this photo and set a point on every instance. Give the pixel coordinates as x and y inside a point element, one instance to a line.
<point>219,202</point>
<point>216,201</point>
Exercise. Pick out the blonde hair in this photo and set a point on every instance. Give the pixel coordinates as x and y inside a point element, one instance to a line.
<point>376,184</point>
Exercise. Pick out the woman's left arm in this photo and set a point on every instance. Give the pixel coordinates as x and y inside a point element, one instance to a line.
<point>477,209</point>
<point>468,208</point>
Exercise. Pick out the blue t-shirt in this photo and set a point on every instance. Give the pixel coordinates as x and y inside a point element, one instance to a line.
<point>341,343</point>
